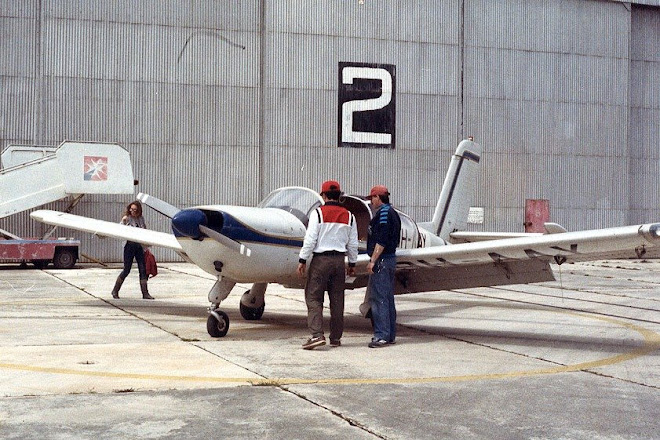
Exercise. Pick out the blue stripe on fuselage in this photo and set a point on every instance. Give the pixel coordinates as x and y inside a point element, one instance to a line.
<point>238,231</point>
<point>242,233</point>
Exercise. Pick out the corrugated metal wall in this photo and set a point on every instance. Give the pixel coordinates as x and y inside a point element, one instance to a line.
<point>306,40</point>
<point>224,101</point>
<point>644,133</point>
<point>174,82</point>
<point>547,86</point>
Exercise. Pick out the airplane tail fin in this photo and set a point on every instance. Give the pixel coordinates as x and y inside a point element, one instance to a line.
<point>453,206</point>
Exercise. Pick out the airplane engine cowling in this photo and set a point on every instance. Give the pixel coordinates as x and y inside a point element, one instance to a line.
<point>186,222</point>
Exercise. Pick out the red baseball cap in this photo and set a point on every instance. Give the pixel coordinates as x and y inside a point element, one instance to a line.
<point>330,185</point>
<point>379,190</point>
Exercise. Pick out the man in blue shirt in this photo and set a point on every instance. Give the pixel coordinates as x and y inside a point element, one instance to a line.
<point>384,234</point>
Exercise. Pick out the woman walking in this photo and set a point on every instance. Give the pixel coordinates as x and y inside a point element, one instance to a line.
<point>132,250</point>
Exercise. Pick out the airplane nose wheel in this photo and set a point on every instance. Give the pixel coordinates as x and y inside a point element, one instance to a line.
<point>218,324</point>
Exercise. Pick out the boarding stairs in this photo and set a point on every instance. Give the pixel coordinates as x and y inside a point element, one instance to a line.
<point>35,175</point>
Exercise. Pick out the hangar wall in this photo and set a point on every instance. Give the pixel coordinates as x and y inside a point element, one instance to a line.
<point>548,85</point>
<point>644,118</point>
<point>224,101</point>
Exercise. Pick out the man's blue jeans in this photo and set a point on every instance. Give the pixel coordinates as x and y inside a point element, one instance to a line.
<point>381,296</point>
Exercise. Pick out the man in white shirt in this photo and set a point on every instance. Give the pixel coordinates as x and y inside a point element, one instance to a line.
<point>331,235</point>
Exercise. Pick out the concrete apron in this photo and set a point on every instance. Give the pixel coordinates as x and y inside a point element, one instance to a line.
<point>62,334</point>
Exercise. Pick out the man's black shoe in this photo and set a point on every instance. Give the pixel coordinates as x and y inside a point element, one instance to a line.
<point>378,343</point>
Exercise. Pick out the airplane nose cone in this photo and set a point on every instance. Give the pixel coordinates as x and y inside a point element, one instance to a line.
<point>185,223</point>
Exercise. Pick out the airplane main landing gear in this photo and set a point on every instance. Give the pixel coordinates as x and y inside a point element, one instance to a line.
<point>217,324</point>
<point>252,302</point>
<point>252,313</point>
<point>252,305</point>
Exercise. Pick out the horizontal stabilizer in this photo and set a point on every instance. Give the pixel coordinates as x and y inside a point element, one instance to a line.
<point>554,228</point>
<point>472,236</point>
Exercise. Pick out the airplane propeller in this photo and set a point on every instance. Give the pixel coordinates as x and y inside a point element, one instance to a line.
<point>226,241</point>
<point>158,205</point>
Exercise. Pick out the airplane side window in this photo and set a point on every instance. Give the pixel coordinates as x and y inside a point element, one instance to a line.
<point>299,214</point>
<point>312,208</point>
<point>295,200</point>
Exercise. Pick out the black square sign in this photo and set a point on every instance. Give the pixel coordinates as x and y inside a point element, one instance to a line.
<point>367,105</point>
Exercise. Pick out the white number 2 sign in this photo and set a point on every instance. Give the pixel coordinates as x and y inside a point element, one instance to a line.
<point>372,102</point>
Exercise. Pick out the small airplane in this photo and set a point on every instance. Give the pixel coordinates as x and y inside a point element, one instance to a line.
<point>260,245</point>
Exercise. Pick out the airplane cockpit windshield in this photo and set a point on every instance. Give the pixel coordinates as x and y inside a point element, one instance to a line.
<point>296,200</point>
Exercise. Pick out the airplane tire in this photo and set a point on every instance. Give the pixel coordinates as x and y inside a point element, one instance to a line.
<point>218,329</point>
<point>252,313</point>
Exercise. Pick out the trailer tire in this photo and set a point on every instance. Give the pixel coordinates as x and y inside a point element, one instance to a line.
<point>64,258</point>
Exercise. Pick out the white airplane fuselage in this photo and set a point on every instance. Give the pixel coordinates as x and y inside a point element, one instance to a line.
<point>273,236</point>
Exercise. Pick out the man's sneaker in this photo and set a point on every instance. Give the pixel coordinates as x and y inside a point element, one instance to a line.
<point>312,343</point>
<point>335,342</point>
<point>392,342</point>
<point>378,343</point>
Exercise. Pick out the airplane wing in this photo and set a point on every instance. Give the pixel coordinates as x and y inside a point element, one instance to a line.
<point>467,236</point>
<point>107,229</point>
<point>517,260</point>
<point>597,244</point>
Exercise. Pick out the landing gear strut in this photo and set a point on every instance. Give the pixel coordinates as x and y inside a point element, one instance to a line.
<point>217,323</point>
<point>252,305</point>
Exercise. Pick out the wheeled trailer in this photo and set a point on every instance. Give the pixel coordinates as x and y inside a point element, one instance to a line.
<point>63,253</point>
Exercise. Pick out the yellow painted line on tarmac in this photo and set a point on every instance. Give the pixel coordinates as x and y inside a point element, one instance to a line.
<point>109,374</point>
<point>651,344</point>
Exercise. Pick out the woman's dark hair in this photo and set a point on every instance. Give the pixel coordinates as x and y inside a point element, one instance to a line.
<point>137,204</point>
<point>384,199</point>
